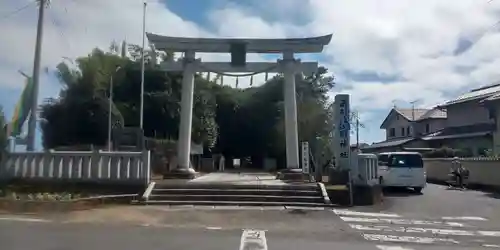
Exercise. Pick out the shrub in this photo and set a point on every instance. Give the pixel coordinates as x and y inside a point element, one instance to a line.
<point>446,152</point>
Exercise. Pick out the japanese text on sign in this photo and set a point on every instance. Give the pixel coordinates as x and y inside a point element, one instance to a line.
<point>305,158</point>
<point>342,123</point>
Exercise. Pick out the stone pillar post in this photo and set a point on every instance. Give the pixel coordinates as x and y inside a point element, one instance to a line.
<point>184,169</point>
<point>289,67</point>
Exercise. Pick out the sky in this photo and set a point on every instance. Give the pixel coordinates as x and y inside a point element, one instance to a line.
<point>383,52</point>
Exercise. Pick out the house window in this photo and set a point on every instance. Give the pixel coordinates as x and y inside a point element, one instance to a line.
<point>427,128</point>
<point>408,130</point>
<point>392,132</point>
<point>403,131</point>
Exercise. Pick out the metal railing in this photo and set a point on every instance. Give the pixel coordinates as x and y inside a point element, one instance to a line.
<point>364,169</point>
<point>78,166</point>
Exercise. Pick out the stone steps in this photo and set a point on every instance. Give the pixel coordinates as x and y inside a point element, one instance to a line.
<point>237,195</point>
<point>237,203</point>
<point>235,192</point>
<point>191,185</point>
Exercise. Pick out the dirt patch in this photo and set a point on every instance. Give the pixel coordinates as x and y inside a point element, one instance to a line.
<point>39,207</point>
<point>116,214</point>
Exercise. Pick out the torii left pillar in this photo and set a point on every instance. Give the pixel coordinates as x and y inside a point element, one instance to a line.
<point>183,169</point>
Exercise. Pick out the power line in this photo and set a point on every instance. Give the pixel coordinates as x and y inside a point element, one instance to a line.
<point>10,14</point>
<point>475,37</point>
<point>58,26</point>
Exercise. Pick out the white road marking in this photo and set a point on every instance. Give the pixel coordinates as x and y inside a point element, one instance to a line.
<point>213,228</point>
<point>384,247</point>
<point>408,239</point>
<point>253,240</point>
<point>356,213</point>
<point>305,208</point>
<point>426,230</point>
<point>401,221</point>
<point>22,219</point>
<point>272,208</point>
<point>491,245</point>
<point>489,233</point>
<point>465,218</point>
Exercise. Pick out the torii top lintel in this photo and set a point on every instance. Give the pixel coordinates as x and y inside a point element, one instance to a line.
<point>222,45</point>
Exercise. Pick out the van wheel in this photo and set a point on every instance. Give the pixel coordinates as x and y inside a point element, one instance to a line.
<point>418,190</point>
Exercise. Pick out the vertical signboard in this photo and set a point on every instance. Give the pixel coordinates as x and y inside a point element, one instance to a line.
<point>305,158</point>
<point>342,131</point>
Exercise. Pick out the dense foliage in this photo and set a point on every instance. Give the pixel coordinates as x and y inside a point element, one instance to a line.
<point>235,122</point>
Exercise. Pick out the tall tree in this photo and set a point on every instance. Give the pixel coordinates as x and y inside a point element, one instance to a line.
<point>79,115</point>
<point>85,90</point>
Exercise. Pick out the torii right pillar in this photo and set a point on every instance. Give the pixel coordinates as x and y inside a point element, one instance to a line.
<point>290,67</point>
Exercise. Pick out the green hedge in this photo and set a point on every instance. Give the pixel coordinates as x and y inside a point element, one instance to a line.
<point>446,152</point>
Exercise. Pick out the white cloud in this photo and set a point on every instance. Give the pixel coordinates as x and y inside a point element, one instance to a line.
<point>413,40</point>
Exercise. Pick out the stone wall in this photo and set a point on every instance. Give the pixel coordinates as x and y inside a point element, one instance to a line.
<point>484,171</point>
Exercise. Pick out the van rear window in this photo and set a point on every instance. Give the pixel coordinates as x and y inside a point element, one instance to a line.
<point>406,161</point>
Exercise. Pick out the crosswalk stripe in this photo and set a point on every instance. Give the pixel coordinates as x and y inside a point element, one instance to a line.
<point>491,245</point>
<point>395,228</point>
<point>407,239</point>
<point>356,213</point>
<point>384,247</point>
<point>23,219</point>
<point>402,221</point>
<point>471,218</point>
<point>426,230</point>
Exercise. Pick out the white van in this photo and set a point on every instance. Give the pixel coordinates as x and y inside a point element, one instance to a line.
<point>402,169</point>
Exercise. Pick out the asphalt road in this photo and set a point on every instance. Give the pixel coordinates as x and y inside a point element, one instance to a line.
<point>438,200</point>
<point>19,235</point>
<point>439,219</point>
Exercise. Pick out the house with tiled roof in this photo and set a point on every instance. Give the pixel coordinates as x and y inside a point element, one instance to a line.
<point>404,126</point>
<point>471,124</point>
<point>468,123</point>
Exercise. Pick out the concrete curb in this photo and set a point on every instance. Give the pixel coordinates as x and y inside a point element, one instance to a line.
<point>324,193</point>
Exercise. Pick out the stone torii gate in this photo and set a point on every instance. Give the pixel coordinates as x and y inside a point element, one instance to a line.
<point>238,48</point>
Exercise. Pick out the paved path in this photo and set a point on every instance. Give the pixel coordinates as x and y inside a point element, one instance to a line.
<point>239,178</point>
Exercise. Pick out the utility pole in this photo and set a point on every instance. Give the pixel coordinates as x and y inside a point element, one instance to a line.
<point>413,110</point>
<point>355,119</point>
<point>412,117</point>
<point>357,131</point>
<point>141,122</point>
<point>36,77</point>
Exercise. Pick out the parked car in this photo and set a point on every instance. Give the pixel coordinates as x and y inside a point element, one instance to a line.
<point>402,169</point>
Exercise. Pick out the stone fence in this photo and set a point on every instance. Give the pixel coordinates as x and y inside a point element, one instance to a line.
<point>483,171</point>
<point>127,168</point>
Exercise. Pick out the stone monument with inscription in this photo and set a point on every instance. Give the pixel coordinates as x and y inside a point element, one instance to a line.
<point>342,132</point>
